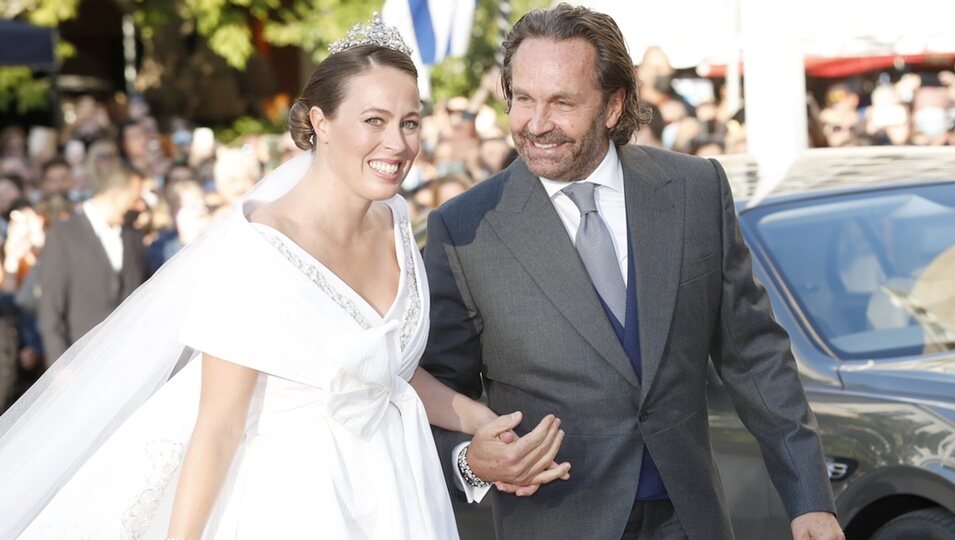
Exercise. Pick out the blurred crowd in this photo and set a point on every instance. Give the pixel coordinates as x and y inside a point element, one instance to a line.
<point>689,114</point>
<point>692,115</point>
<point>91,210</point>
<point>918,109</point>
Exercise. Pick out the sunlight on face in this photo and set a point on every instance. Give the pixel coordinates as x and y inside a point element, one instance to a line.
<point>373,139</point>
<point>558,115</point>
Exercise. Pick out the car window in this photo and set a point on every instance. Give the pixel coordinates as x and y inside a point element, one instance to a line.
<point>873,272</point>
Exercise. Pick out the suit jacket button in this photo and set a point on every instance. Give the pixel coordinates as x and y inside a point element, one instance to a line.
<point>644,415</point>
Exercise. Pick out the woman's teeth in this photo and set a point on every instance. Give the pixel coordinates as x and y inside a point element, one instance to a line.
<point>382,167</point>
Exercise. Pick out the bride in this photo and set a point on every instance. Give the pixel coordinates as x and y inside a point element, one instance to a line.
<point>264,383</point>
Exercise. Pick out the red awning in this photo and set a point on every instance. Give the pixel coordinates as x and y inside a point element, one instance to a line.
<point>847,66</point>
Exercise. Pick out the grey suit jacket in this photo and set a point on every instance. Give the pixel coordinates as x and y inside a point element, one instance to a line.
<point>512,304</point>
<point>78,285</point>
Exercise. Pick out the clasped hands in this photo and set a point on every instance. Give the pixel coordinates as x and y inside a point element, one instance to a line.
<point>518,465</point>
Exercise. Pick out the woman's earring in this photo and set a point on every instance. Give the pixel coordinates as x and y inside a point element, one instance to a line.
<point>311,139</point>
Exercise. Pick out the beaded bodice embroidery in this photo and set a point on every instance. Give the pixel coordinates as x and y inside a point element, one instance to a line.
<point>412,313</point>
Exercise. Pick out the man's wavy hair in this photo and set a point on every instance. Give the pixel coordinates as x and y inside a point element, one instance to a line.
<point>614,65</point>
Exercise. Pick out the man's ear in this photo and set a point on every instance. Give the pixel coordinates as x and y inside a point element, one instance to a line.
<point>319,125</point>
<point>615,108</point>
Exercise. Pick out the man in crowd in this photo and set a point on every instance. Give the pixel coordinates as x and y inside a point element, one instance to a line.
<point>91,262</point>
<point>57,178</point>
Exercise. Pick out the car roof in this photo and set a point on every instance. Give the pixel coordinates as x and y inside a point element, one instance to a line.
<point>824,171</point>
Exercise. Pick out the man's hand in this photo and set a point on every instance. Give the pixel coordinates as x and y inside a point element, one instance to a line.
<point>546,477</point>
<point>817,526</point>
<point>497,455</point>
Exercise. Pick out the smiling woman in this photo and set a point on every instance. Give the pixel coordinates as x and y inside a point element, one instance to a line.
<point>275,389</point>
<point>360,113</point>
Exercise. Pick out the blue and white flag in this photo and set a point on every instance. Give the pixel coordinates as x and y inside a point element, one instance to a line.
<point>435,29</point>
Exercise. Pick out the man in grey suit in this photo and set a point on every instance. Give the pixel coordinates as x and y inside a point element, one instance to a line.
<point>593,280</point>
<point>90,263</point>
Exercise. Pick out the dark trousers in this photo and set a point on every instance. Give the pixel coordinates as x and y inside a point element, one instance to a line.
<point>653,520</point>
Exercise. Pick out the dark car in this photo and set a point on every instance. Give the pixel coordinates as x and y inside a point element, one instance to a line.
<point>857,252</point>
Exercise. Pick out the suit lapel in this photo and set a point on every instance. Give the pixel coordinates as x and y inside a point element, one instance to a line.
<point>655,218</point>
<point>528,224</point>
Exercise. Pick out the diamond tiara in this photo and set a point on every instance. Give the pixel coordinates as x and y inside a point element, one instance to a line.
<point>373,32</point>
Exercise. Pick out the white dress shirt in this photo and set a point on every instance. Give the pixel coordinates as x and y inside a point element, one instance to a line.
<point>111,236</point>
<point>611,206</point>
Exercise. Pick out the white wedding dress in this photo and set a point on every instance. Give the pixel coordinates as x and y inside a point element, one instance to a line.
<point>337,443</point>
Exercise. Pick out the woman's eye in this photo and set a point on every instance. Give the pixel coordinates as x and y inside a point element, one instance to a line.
<point>375,121</point>
<point>410,124</point>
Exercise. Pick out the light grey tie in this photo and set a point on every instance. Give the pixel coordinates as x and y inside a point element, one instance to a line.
<point>595,247</point>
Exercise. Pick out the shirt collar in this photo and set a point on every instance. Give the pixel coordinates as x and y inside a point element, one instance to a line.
<point>97,219</point>
<point>607,174</point>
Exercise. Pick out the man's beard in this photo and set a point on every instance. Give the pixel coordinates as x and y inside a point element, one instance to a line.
<point>582,159</point>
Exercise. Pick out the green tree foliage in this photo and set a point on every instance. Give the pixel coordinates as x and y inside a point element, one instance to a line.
<point>461,75</point>
<point>40,12</point>
<point>226,27</point>
<point>225,24</point>
<point>18,87</point>
<point>312,25</point>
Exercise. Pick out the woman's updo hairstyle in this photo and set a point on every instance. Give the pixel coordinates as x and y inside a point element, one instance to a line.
<point>329,84</point>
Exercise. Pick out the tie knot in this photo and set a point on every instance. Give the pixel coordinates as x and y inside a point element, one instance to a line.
<point>582,193</point>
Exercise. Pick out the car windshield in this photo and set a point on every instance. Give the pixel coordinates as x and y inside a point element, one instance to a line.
<point>873,272</point>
